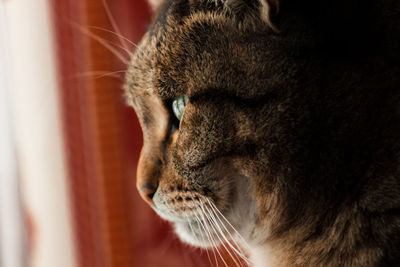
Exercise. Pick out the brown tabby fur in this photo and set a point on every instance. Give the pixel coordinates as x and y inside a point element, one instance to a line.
<point>298,101</point>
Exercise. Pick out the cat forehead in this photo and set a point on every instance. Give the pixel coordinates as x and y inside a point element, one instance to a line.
<point>168,53</point>
<point>194,52</point>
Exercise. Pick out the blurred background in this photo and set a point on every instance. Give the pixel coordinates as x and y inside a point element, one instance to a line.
<point>69,145</point>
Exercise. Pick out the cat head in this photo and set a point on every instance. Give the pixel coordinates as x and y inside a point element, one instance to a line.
<point>213,87</point>
<point>261,118</point>
<point>263,9</point>
<point>209,83</point>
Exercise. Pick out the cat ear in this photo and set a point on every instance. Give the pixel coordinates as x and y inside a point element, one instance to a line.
<point>155,4</point>
<point>267,9</point>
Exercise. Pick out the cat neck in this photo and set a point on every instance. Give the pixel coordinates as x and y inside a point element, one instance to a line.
<point>261,256</point>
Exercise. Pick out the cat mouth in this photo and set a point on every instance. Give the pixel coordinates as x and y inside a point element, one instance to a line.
<point>198,224</point>
<point>210,218</point>
<point>204,226</point>
<point>203,222</point>
<point>197,233</point>
<point>211,233</point>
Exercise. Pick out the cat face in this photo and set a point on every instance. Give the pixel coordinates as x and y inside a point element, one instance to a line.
<point>264,137</point>
<point>201,89</point>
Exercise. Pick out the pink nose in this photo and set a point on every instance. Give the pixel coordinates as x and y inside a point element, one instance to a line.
<point>147,192</point>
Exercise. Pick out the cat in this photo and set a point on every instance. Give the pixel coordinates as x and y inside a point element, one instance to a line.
<point>274,125</point>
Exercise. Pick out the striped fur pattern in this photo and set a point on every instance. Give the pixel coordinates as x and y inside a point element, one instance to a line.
<point>288,149</point>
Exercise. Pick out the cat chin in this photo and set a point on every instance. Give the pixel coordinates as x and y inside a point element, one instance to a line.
<point>188,233</point>
<point>188,236</point>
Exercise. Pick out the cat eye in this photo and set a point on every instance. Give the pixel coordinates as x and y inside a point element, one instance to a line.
<point>178,105</point>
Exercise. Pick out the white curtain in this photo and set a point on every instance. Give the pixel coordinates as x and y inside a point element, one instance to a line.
<point>30,132</point>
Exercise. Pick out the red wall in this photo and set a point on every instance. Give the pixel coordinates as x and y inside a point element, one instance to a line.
<point>112,225</point>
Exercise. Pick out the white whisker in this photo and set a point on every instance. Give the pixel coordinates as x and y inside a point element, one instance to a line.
<point>201,235</point>
<point>102,41</point>
<point>220,235</point>
<point>116,34</point>
<point>126,50</point>
<point>212,205</point>
<point>237,250</point>
<point>223,236</point>
<point>114,25</point>
<point>202,214</point>
<point>100,74</point>
<point>208,237</point>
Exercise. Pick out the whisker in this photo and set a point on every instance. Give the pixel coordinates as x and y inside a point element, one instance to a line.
<point>237,249</point>
<point>221,236</point>
<point>193,233</point>
<point>114,24</point>
<point>102,41</point>
<point>190,225</point>
<point>201,235</point>
<point>100,74</point>
<point>127,51</point>
<point>205,221</point>
<point>208,237</point>
<point>237,252</point>
<point>233,228</point>
<point>116,34</point>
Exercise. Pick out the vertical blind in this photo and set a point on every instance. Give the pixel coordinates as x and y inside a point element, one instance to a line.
<point>112,226</point>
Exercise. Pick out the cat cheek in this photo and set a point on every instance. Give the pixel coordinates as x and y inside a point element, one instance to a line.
<point>155,4</point>
<point>174,137</point>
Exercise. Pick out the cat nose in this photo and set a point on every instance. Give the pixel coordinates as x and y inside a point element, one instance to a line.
<point>148,175</point>
<point>147,191</point>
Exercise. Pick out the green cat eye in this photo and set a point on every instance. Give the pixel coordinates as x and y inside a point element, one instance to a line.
<point>178,105</point>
